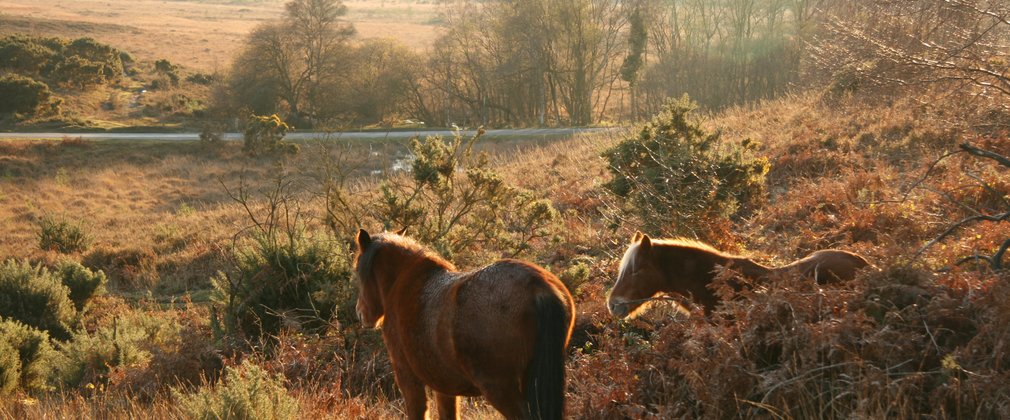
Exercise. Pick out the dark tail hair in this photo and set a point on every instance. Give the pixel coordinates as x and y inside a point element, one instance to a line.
<point>545,379</point>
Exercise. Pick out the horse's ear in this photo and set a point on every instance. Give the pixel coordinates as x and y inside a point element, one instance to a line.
<point>644,243</point>
<point>363,239</point>
<point>402,232</point>
<point>637,236</point>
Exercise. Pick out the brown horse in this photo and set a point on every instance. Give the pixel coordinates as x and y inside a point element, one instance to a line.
<point>500,331</point>
<point>653,267</point>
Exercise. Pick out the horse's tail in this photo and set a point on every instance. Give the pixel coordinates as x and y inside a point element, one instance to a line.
<point>545,379</point>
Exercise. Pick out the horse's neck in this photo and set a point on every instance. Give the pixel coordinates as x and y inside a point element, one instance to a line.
<point>749,268</point>
<point>417,269</point>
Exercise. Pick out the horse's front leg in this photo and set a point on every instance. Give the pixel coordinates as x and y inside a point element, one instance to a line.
<point>413,393</point>
<point>448,406</point>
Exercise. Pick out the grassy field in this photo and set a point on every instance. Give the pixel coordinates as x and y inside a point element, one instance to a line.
<point>199,34</point>
<point>902,340</point>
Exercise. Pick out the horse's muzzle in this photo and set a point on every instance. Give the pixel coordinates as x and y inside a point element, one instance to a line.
<point>618,307</point>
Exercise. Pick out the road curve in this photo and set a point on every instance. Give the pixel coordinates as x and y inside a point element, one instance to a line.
<point>309,135</point>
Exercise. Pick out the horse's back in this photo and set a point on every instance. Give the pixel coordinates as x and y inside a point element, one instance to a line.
<point>496,315</point>
<point>828,265</point>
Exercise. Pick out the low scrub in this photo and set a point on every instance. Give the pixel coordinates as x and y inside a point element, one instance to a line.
<point>127,342</point>
<point>678,178</point>
<point>23,95</point>
<point>63,235</point>
<point>129,268</point>
<point>82,283</point>
<point>458,203</point>
<point>27,360</point>
<point>37,297</point>
<point>247,392</point>
<point>264,135</point>
<point>283,281</point>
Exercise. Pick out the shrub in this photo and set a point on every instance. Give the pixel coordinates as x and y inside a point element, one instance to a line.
<point>21,54</point>
<point>37,297</point>
<point>10,367</point>
<point>80,72</point>
<point>127,342</point>
<point>169,71</point>
<point>284,281</point>
<point>80,62</point>
<point>62,235</point>
<point>26,356</point>
<point>181,350</point>
<point>212,135</point>
<point>264,134</point>
<point>248,392</point>
<point>677,177</point>
<point>575,276</point>
<point>201,78</point>
<point>81,281</point>
<point>22,95</point>
<point>455,201</point>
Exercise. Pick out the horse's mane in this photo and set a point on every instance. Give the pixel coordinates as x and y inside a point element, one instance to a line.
<point>403,243</point>
<point>688,243</point>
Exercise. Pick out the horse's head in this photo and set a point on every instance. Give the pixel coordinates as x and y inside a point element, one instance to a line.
<point>369,306</point>
<point>639,278</point>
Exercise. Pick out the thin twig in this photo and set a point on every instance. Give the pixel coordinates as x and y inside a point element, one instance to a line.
<point>959,224</point>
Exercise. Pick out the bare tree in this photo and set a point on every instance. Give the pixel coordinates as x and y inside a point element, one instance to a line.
<point>290,58</point>
<point>952,44</point>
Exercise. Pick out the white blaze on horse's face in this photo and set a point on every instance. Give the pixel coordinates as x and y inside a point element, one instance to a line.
<point>638,279</point>
<point>617,303</point>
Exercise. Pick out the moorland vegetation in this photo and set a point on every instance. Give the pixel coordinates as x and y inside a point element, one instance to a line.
<point>197,279</point>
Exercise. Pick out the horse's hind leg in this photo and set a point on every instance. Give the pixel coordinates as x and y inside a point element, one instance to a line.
<point>507,399</point>
<point>448,406</point>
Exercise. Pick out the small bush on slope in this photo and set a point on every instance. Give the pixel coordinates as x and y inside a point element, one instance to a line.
<point>455,201</point>
<point>247,392</point>
<point>36,297</point>
<point>27,360</point>
<point>83,284</point>
<point>283,281</point>
<point>677,178</point>
<point>62,235</point>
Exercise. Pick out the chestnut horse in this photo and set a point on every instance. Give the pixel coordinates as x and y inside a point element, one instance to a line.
<point>500,331</point>
<point>653,267</point>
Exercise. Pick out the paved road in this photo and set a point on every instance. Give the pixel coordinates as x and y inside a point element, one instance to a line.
<point>531,132</point>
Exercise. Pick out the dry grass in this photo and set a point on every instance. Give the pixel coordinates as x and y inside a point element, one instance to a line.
<point>202,35</point>
<point>160,199</point>
<point>901,342</point>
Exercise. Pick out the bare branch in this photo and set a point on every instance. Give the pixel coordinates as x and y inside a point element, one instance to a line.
<point>1002,160</point>
<point>996,218</point>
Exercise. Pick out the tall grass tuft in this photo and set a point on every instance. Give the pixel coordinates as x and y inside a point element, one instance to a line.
<point>62,235</point>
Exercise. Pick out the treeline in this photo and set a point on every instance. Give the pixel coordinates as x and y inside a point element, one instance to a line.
<point>542,62</point>
<point>579,62</point>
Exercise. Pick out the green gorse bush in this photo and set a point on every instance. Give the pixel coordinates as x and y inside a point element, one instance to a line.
<point>62,235</point>
<point>35,296</point>
<point>27,359</point>
<point>247,392</point>
<point>677,177</point>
